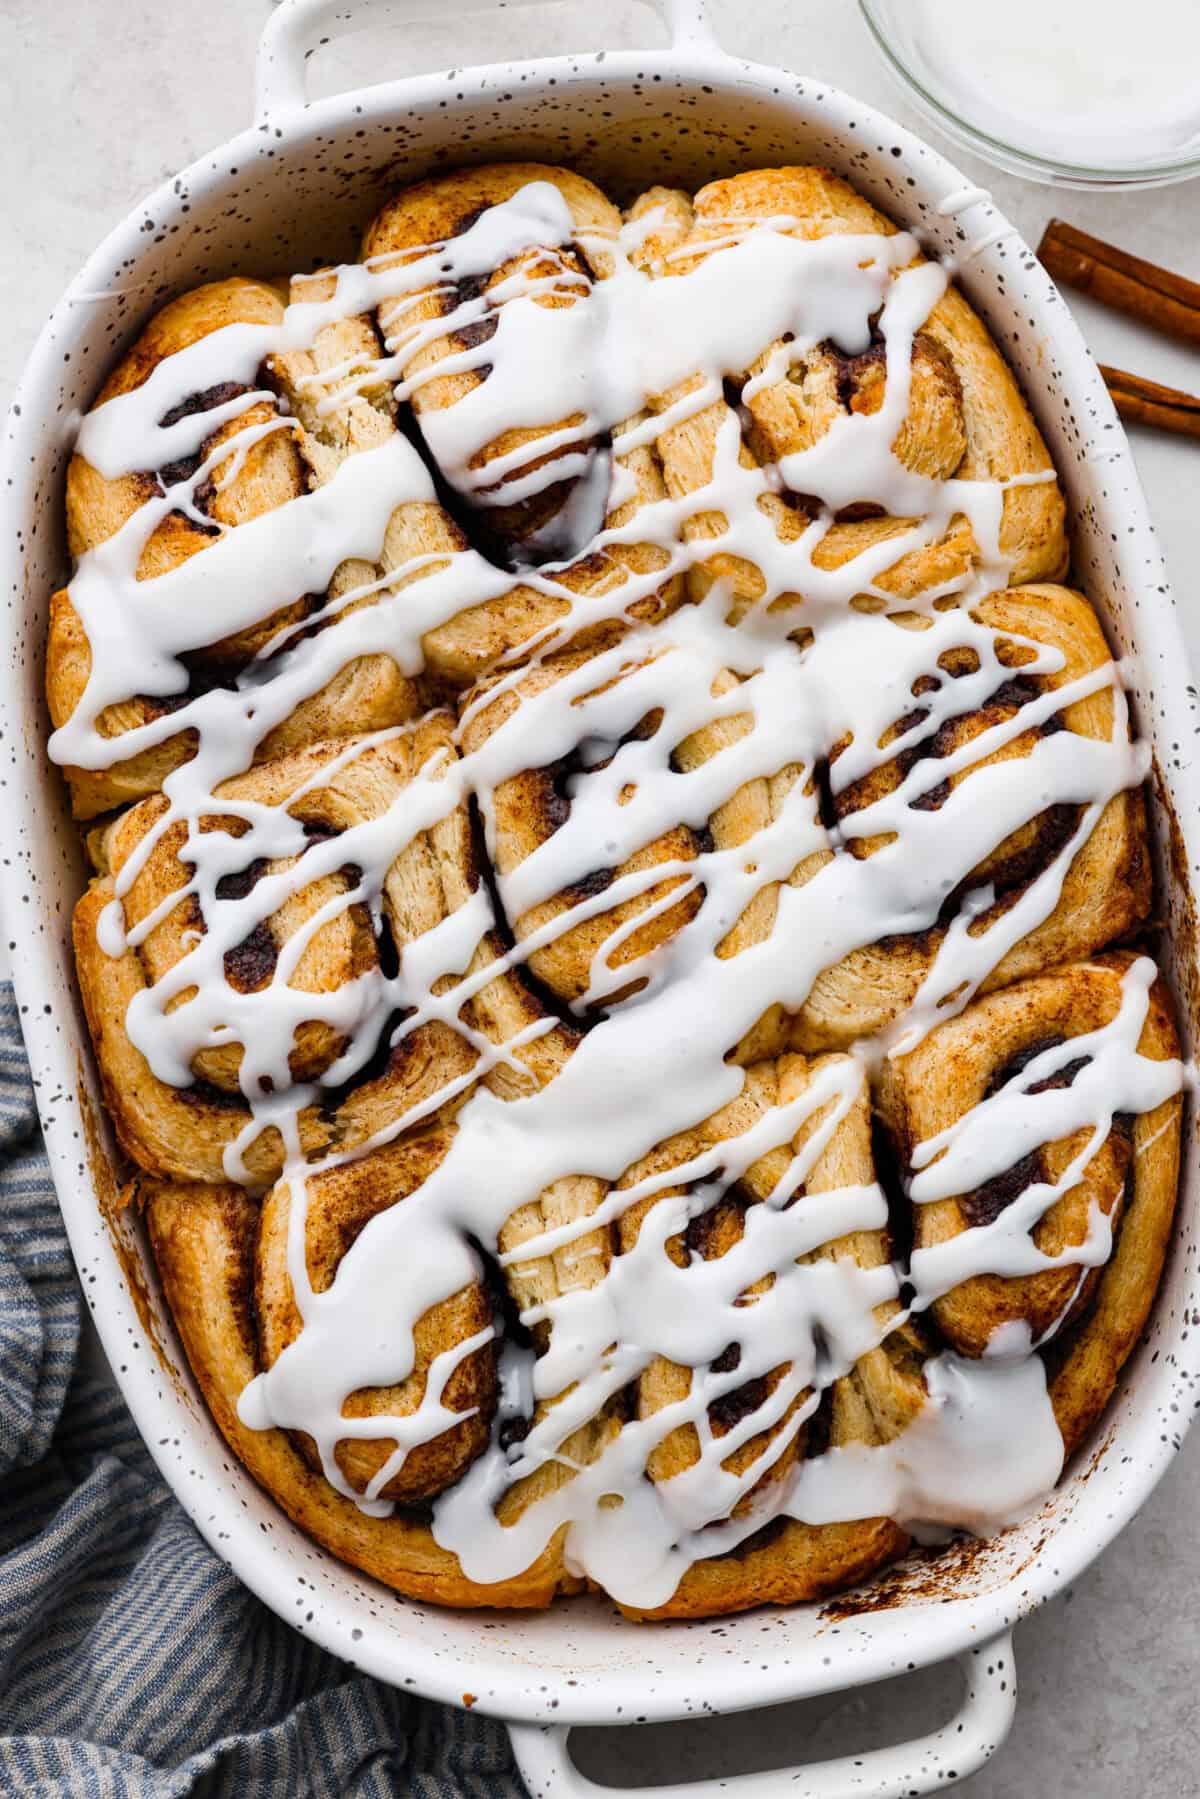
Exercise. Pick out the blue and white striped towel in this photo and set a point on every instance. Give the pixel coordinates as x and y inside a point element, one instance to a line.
<point>133,1664</point>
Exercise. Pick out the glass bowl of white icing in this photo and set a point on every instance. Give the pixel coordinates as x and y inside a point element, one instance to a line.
<point>1082,93</point>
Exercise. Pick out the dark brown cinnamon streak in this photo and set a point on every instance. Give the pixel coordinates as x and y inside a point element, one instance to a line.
<point>1158,297</point>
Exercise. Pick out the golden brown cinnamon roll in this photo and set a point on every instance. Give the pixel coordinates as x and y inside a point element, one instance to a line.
<point>530,807</point>
<point>187,1131</point>
<point>872,1404</point>
<point>1103,884</point>
<point>204,1244</point>
<point>582,943</point>
<point>1105,1234</point>
<point>338,1204</point>
<point>556,520</point>
<point>709,1235</point>
<point>554,275</point>
<point>225,1268</point>
<point>273,458</point>
<point>965,419</point>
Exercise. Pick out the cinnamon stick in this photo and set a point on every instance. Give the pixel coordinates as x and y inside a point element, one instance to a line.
<point>1157,297</point>
<point>1145,402</point>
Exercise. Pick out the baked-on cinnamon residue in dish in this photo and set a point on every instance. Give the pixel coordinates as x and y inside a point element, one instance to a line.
<point>580,717</point>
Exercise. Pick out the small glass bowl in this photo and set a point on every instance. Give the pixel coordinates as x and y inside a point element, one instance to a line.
<point>889,22</point>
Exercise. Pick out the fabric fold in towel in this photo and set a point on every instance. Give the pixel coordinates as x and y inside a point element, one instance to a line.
<point>133,1663</point>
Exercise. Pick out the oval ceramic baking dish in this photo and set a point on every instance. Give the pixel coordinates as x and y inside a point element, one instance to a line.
<point>295,187</point>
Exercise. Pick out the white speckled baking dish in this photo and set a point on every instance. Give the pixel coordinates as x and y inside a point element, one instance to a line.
<point>295,189</point>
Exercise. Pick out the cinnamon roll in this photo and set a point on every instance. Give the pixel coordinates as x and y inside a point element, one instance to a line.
<point>270,458</point>
<point>453,1370</point>
<point>871,1403</point>
<point>204,1245</point>
<point>1085,1211</point>
<point>1075,875</point>
<point>581,728</point>
<point>598,934</point>
<point>541,491</point>
<point>954,415</point>
<point>248,922</point>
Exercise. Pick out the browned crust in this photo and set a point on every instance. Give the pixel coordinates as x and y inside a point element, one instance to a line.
<point>792,1564</point>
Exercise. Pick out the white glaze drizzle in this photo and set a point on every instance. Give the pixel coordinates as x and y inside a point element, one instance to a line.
<point>985,1444</point>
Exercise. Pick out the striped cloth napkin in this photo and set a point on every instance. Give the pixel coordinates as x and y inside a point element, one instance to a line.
<point>133,1664</point>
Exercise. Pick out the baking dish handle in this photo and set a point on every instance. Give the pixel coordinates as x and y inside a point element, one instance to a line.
<point>931,1762</point>
<point>298,27</point>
